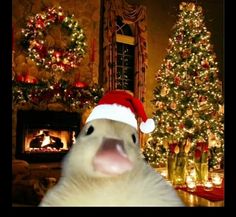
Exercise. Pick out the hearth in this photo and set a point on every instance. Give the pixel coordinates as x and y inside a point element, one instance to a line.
<point>45,136</point>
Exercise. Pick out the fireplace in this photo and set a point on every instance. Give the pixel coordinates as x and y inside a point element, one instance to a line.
<point>45,136</point>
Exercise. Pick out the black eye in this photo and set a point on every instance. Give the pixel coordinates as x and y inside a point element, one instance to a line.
<point>134,138</point>
<point>90,130</point>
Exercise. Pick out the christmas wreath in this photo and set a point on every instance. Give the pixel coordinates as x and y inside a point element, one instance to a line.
<point>53,58</point>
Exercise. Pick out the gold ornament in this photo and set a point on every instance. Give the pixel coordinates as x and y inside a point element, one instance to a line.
<point>191,7</point>
<point>202,100</point>
<point>173,106</point>
<point>189,112</point>
<point>204,107</point>
<point>176,149</point>
<point>211,139</point>
<point>164,91</point>
<point>159,105</point>
<point>208,33</point>
<point>196,114</point>
<point>165,144</point>
<point>182,5</point>
<point>221,109</point>
<point>169,129</point>
<point>198,81</point>
<point>199,8</point>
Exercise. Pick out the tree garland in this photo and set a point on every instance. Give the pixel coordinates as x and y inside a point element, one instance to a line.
<point>52,58</point>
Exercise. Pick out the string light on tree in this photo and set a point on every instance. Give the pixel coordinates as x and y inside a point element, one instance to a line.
<point>188,96</point>
<point>54,58</point>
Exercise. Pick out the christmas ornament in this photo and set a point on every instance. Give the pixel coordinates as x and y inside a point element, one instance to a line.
<point>199,9</point>
<point>159,105</point>
<point>198,81</point>
<point>191,6</point>
<point>80,84</point>
<point>177,80</point>
<point>205,64</point>
<point>189,112</point>
<point>221,109</point>
<point>185,53</point>
<point>182,5</point>
<point>164,91</point>
<point>173,105</point>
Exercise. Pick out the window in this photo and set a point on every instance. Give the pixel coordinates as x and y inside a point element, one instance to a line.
<point>125,56</point>
<point>124,60</point>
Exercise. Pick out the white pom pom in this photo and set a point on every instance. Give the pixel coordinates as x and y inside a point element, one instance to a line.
<point>148,126</point>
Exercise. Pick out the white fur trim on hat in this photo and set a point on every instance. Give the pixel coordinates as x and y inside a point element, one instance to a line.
<point>114,112</point>
<point>148,126</point>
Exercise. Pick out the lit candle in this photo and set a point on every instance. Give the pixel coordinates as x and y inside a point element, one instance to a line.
<point>193,173</point>
<point>164,173</point>
<point>189,179</point>
<point>216,180</point>
<point>208,186</point>
<point>191,185</point>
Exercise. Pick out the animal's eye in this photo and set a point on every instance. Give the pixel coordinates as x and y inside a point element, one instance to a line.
<point>89,130</point>
<point>134,138</point>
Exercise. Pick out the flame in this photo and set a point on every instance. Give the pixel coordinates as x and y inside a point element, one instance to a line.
<point>46,141</point>
<point>65,137</point>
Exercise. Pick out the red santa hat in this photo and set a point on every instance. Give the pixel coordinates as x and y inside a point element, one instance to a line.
<point>119,105</point>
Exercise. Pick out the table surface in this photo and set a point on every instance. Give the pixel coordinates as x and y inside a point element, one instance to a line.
<point>192,200</point>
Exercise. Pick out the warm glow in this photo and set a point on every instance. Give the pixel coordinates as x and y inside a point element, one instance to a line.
<point>188,96</point>
<point>208,186</point>
<point>46,142</point>
<point>216,180</point>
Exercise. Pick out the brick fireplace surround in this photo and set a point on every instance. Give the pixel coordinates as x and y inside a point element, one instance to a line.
<point>30,181</point>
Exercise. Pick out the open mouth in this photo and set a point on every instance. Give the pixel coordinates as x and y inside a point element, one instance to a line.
<point>111,158</point>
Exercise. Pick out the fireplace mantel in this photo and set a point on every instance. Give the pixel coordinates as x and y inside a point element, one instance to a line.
<point>57,96</point>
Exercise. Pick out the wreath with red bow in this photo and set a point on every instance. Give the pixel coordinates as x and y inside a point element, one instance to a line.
<point>54,58</point>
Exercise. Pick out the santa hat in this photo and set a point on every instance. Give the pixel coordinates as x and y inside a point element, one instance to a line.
<point>119,105</point>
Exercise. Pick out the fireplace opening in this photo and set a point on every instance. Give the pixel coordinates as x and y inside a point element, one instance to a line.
<point>45,136</point>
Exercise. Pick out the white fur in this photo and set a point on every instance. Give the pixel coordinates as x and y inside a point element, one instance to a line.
<point>80,185</point>
<point>114,112</point>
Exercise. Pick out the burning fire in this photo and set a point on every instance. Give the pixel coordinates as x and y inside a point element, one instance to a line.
<point>46,140</point>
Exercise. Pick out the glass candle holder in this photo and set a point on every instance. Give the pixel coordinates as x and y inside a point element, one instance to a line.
<point>191,185</point>
<point>190,178</point>
<point>208,186</point>
<point>216,180</point>
<point>164,174</point>
<point>193,173</point>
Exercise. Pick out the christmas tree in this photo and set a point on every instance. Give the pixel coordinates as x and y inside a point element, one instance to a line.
<point>188,96</point>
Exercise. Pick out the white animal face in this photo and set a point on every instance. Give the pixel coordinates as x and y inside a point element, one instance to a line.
<point>103,148</point>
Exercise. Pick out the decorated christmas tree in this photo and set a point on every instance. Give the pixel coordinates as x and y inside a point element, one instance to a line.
<point>188,99</point>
